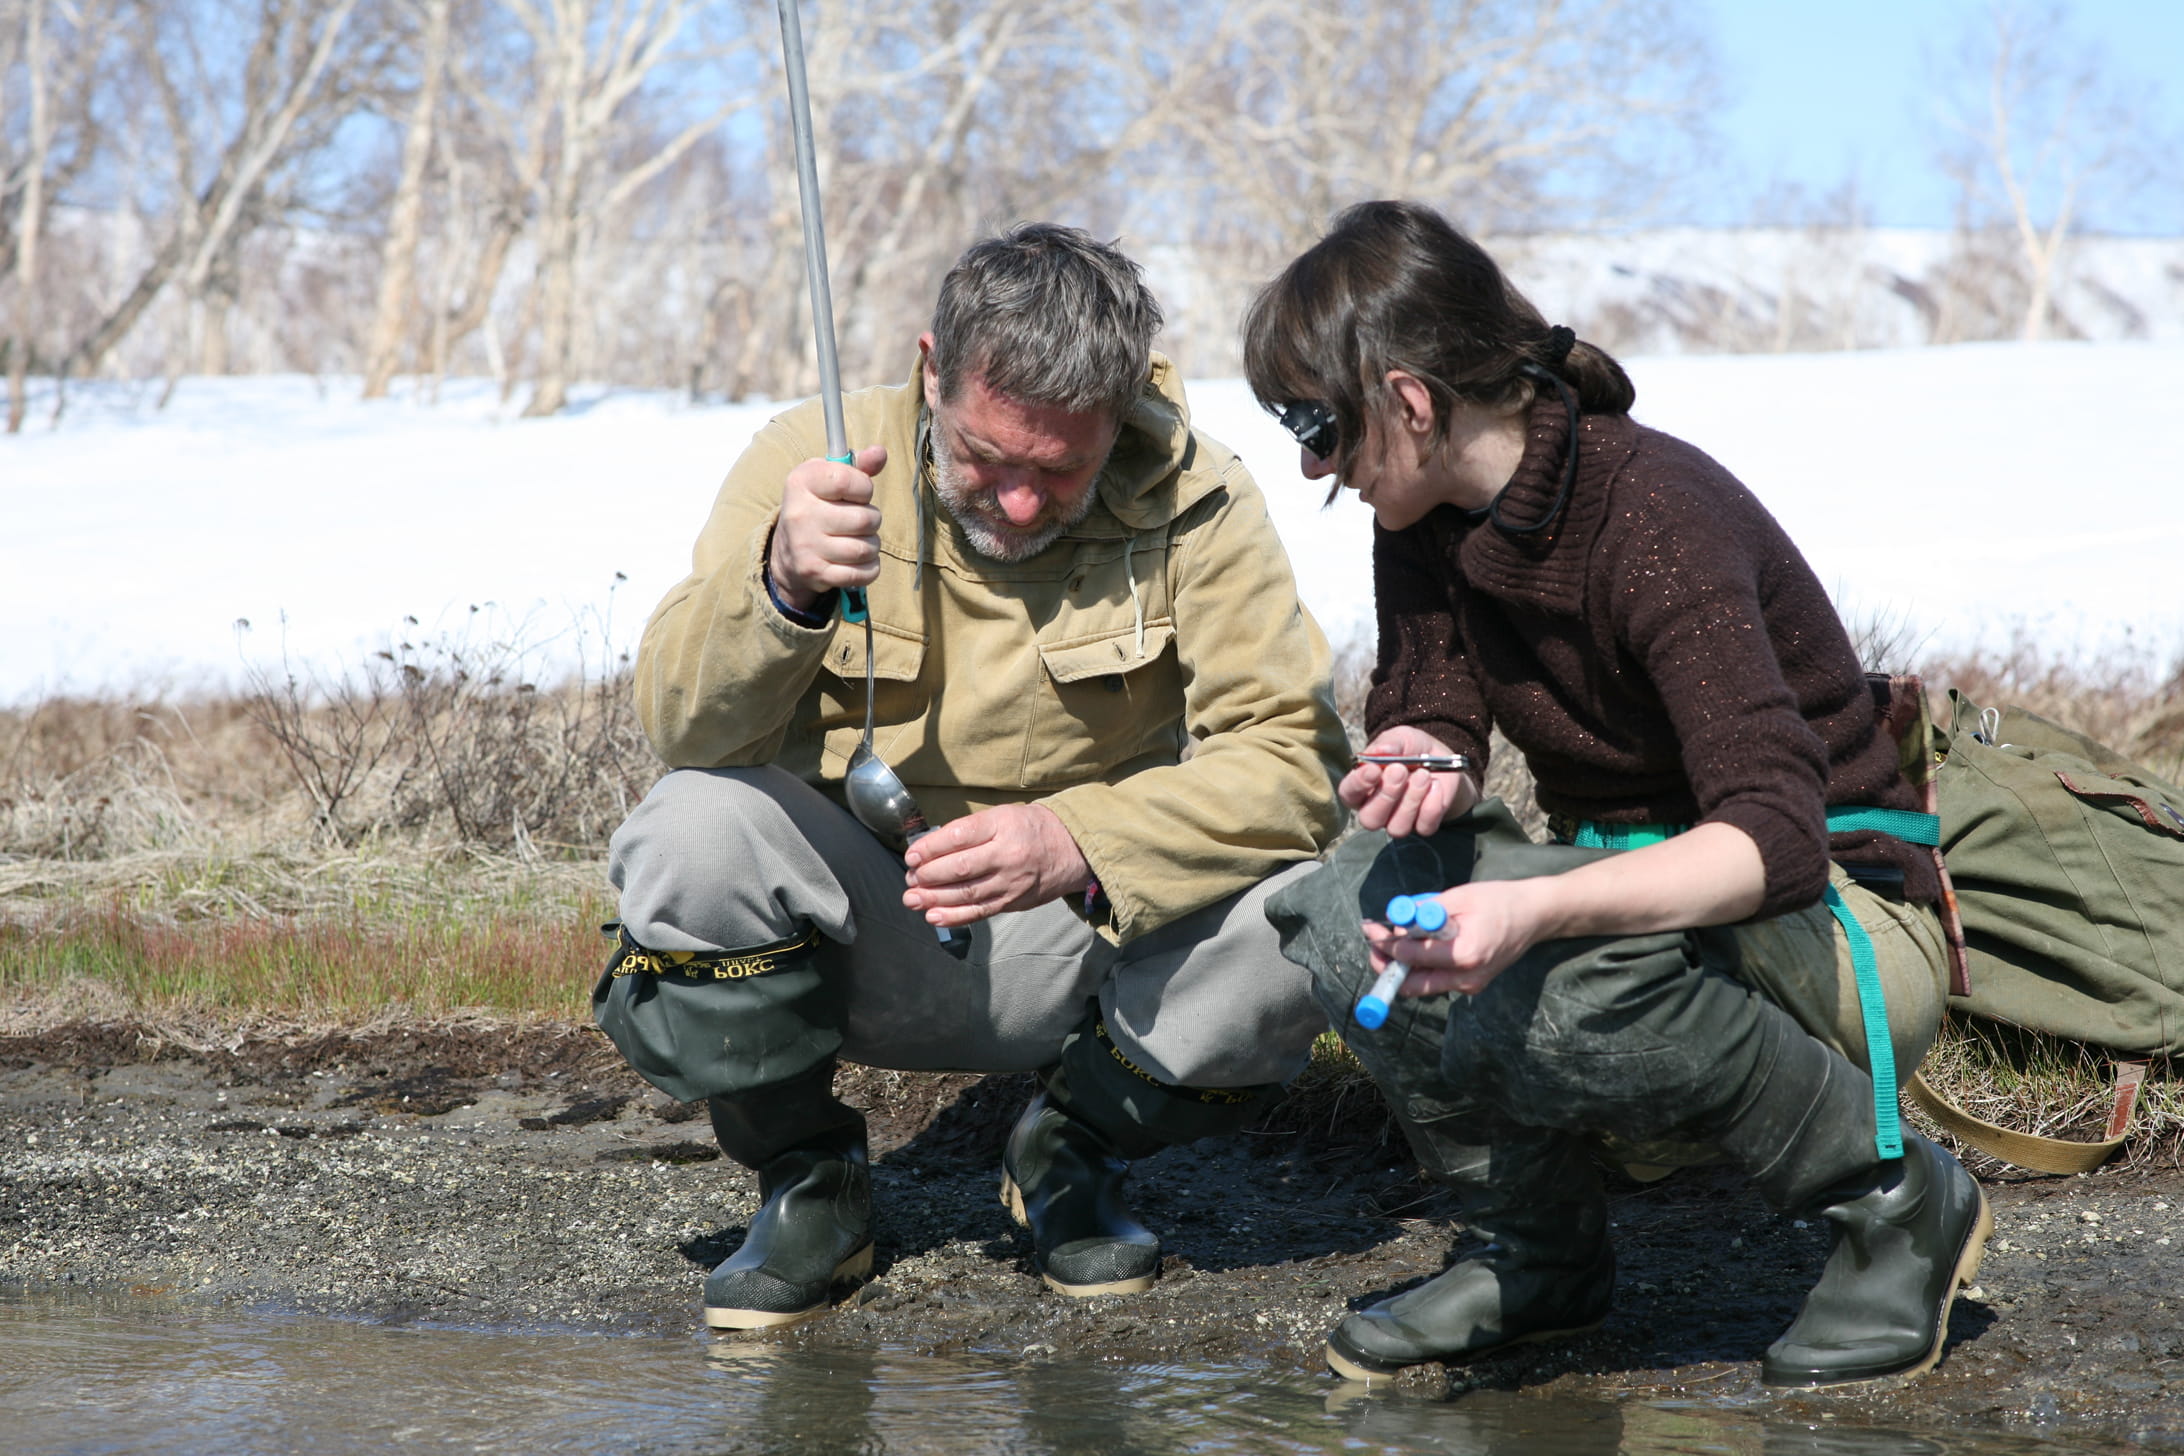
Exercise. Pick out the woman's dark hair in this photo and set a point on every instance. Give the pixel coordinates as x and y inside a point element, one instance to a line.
<point>1393,286</point>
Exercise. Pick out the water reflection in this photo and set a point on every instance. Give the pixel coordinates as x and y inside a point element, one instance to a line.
<point>113,1374</point>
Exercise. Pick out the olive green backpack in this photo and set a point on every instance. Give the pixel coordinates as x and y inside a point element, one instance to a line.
<point>2066,863</point>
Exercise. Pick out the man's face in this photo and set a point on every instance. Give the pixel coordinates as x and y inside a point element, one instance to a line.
<point>1014,475</point>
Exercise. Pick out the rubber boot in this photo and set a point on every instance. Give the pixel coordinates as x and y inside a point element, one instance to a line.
<point>1546,1269</point>
<point>1907,1232</point>
<point>1907,1237</point>
<point>813,1229</point>
<point>1063,1171</point>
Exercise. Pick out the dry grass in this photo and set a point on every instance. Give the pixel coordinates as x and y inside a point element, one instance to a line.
<point>426,833</point>
<point>310,968</point>
<point>2133,706</point>
<point>2052,1088</point>
<point>285,932</point>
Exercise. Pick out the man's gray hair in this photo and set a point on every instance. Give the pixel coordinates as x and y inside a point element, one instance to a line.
<point>1048,315</point>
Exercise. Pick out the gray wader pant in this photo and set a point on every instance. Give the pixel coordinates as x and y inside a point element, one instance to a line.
<point>1645,1043</point>
<point>730,860</point>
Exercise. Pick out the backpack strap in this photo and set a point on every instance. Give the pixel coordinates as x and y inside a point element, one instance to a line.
<point>1900,700</point>
<point>2029,1150</point>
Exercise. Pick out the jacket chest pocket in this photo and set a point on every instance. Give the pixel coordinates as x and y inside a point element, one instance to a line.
<point>1107,699</point>
<point>898,658</point>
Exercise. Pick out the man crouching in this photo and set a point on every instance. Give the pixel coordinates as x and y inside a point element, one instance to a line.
<point>1091,671</point>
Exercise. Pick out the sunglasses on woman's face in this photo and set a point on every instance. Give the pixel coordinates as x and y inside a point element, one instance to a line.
<point>1313,424</point>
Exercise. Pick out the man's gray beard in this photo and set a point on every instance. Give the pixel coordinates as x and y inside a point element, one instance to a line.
<point>985,538</point>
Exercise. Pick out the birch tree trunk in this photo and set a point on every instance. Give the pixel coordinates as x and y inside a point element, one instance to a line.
<point>398,258</point>
<point>30,215</point>
<point>590,86</point>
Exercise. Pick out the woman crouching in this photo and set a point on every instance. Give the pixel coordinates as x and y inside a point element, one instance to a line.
<point>1682,968</point>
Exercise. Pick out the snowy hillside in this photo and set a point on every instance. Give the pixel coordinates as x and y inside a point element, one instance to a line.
<point>1968,491</point>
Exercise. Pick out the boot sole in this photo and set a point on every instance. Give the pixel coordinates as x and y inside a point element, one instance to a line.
<point>1012,1199</point>
<point>1351,1370</point>
<point>856,1267</point>
<point>1967,1270</point>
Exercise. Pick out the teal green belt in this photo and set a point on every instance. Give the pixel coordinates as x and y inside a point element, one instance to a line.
<point>1872,1006</point>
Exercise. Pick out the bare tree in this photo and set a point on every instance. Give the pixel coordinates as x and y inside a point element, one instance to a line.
<point>1266,117</point>
<point>562,191</point>
<point>288,61</point>
<point>31,211</point>
<point>2038,134</point>
<point>405,217</point>
<point>592,57</point>
<point>58,51</point>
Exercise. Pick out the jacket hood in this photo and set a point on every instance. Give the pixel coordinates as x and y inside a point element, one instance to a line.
<point>1148,479</point>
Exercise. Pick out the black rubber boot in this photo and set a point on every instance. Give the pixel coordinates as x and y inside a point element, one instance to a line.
<point>1546,1270</point>
<point>813,1229</point>
<point>1908,1236</point>
<point>1063,1171</point>
<point>1063,1181</point>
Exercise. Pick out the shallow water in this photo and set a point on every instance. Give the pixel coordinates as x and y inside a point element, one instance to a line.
<point>114,1374</point>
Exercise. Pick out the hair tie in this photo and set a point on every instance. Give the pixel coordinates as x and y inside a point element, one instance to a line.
<point>1560,340</point>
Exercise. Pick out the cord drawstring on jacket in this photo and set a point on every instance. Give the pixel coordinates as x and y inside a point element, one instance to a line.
<point>1137,603</point>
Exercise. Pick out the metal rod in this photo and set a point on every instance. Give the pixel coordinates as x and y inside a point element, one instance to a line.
<point>815,234</point>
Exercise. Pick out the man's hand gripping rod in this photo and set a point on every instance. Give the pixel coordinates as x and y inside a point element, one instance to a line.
<point>815,271</point>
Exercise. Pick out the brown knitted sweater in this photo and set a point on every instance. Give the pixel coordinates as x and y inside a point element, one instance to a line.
<point>1662,653</point>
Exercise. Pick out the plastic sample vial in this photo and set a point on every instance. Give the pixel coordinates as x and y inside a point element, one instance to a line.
<point>1420,915</point>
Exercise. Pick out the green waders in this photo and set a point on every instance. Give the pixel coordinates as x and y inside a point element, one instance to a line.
<point>1067,1157</point>
<point>1646,1038</point>
<point>754,1033</point>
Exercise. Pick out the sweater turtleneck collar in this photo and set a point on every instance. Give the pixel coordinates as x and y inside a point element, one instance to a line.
<point>1547,569</point>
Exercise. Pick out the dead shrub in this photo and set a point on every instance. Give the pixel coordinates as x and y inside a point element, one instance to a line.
<point>463,732</point>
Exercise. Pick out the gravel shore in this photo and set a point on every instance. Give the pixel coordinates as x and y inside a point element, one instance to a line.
<point>518,1176</point>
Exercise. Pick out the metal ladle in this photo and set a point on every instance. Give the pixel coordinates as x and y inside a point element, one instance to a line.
<point>882,801</point>
<point>876,794</point>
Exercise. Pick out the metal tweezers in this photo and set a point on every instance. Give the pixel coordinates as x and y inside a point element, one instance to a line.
<point>1429,762</point>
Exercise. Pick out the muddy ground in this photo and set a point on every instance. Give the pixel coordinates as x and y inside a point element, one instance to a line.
<point>524,1178</point>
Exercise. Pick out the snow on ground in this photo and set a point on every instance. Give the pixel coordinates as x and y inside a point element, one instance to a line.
<point>1967,492</point>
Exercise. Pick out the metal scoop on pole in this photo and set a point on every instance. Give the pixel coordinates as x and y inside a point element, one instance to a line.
<point>876,794</point>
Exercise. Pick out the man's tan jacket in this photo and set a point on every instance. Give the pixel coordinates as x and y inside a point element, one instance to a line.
<point>1151,677</point>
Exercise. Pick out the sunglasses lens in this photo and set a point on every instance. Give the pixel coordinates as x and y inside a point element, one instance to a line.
<point>1313,425</point>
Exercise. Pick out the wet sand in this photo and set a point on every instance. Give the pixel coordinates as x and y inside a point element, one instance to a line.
<point>521,1177</point>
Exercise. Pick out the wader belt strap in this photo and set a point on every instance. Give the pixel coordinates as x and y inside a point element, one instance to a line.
<point>1873,1008</point>
<point>1592,834</point>
<point>718,965</point>
<point>1214,1096</point>
<point>1903,824</point>
<point>1872,1004</point>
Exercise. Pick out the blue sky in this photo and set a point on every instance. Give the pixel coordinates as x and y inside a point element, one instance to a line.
<point>1818,91</point>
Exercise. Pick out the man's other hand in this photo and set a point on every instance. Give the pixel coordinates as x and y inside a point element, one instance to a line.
<point>828,533</point>
<point>1008,858</point>
<point>1404,800</point>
